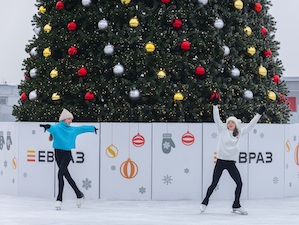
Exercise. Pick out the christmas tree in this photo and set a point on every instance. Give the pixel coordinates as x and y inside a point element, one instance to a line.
<point>152,60</point>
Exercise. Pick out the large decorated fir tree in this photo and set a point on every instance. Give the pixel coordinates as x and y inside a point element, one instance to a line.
<point>152,60</point>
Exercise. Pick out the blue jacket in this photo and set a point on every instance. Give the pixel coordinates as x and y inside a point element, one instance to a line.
<point>64,135</point>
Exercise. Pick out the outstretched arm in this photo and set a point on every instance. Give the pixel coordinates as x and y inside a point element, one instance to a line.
<point>45,126</point>
<point>254,121</point>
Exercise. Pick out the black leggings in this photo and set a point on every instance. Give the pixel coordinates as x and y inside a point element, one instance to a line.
<point>233,171</point>
<point>63,159</point>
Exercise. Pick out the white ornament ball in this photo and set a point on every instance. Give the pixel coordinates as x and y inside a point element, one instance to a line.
<point>33,95</point>
<point>37,30</point>
<point>134,94</point>
<point>248,94</point>
<point>86,3</point>
<point>204,2</point>
<point>33,73</point>
<point>226,50</point>
<point>219,24</point>
<point>118,69</point>
<point>235,72</point>
<point>33,51</point>
<point>103,24</point>
<point>109,49</point>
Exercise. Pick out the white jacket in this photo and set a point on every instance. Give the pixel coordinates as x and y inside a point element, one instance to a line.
<point>228,145</point>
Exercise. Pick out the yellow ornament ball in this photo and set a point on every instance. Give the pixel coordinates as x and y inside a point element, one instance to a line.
<point>134,22</point>
<point>42,9</point>
<point>251,50</point>
<point>271,96</point>
<point>150,47</point>
<point>125,2</point>
<point>54,73</point>
<point>248,30</point>
<point>47,52</point>
<point>238,4</point>
<point>178,96</point>
<point>161,74</point>
<point>262,71</point>
<point>55,97</point>
<point>47,28</point>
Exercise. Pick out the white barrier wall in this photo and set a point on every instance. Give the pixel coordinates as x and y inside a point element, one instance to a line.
<point>149,161</point>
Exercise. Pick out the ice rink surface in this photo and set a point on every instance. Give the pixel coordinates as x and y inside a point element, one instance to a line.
<point>16,210</point>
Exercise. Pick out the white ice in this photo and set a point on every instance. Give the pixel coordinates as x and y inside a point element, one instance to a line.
<point>16,210</point>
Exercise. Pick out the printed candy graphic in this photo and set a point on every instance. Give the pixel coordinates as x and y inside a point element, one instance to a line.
<point>112,151</point>
<point>167,143</point>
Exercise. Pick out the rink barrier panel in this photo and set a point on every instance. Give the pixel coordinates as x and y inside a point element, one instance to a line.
<point>149,161</point>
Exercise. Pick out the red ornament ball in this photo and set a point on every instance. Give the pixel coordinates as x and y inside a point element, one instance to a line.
<point>72,26</point>
<point>267,53</point>
<point>72,50</point>
<point>257,7</point>
<point>82,72</point>
<point>188,139</point>
<point>59,5</point>
<point>23,96</point>
<point>138,140</point>
<point>276,79</point>
<point>89,96</point>
<point>185,45</point>
<point>214,94</point>
<point>264,31</point>
<point>177,23</point>
<point>165,1</point>
<point>200,71</point>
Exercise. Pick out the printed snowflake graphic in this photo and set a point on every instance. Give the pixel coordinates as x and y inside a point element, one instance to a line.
<point>166,145</point>
<point>186,170</point>
<point>113,168</point>
<point>287,166</point>
<point>275,180</point>
<point>262,135</point>
<point>25,175</point>
<point>142,190</point>
<point>33,132</point>
<point>167,179</point>
<point>295,138</point>
<point>214,135</point>
<point>1,173</point>
<point>255,131</point>
<point>5,163</point>
<point>13,180</point>
<point>290,184</point>
<point>86,184</point>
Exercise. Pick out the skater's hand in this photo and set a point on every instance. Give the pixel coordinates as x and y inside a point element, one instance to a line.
<point>95,130</point>
<point>45,126</point>
<point>261,109</point>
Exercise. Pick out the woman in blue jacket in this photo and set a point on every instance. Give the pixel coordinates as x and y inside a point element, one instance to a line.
<point>64,139</point>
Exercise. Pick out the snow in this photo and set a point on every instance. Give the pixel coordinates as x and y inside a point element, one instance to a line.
<point>16,210</point>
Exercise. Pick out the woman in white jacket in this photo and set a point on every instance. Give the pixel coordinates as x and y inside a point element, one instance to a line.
<point>228,153</point>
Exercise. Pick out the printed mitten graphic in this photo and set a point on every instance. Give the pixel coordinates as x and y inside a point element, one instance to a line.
<point>2,142</point>
<point>167,143</point>
<point>8,140</point>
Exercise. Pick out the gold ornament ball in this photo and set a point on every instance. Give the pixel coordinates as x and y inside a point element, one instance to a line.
<point>251,50</point>
<point>54,73</point>
<point>134,22</point>
<point>161,74</point>
<point>42,9</point>
<point>47,52</point>
<point>262,71</point>
<point>271,96</point>
<point>238,4</point>
<point>248,30</point>
<point>150,47</point>
<point>178,96</point>
<point>47,28</point>
<point>125,2</point>
<point>55,97</point>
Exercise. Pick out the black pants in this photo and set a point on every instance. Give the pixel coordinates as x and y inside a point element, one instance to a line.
<point>233,171</point>
<point>63,159</point>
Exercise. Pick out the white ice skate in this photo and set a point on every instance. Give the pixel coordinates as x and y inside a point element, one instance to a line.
<point>58,205</point>
<point>202,208</point>
<point>80,201</point>
<point>240,211</point>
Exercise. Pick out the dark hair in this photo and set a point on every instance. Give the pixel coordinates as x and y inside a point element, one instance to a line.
<point>235,132</point>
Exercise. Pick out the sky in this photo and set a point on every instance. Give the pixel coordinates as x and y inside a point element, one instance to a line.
<point>16,31</point>
<point>17,210</point>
